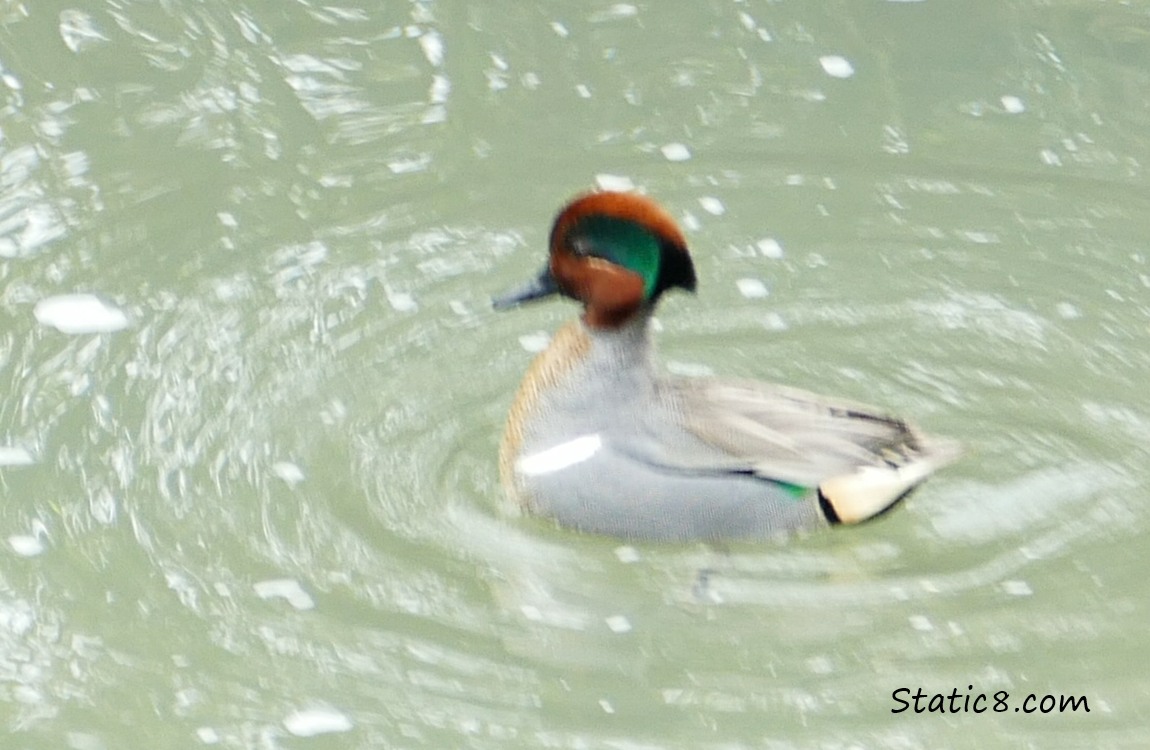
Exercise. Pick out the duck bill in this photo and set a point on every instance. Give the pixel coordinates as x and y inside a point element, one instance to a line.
<point>542,286</point>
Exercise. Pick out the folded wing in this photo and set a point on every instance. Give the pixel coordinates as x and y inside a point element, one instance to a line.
<point>860,459</point>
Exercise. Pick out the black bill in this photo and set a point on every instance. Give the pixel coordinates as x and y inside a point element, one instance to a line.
<point>538,288</point>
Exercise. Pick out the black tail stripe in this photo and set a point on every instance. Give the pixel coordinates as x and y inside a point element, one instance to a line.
<point>828,509</point>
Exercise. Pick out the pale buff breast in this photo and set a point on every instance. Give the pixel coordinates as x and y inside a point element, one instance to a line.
<point>568,347</point>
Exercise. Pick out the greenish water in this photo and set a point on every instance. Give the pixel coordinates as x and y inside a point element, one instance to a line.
<point>249,499</point>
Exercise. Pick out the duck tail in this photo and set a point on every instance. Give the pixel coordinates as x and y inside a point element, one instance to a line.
<point>870,491</point>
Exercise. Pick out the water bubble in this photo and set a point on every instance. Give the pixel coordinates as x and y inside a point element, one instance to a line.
<point>14,455</point>
<point>618,624</point>
<point>614,182</point>
<point>315,721</point>
<point>1013,105</point>
<point>712,205</point>
<point>285,588</point>
<point>837,66</point>
<point>288,472</point>
<point>535,342</point>
<point>752,288</point>
<point>80,313</point>
<point>770,248</point>
<point>676,152</point>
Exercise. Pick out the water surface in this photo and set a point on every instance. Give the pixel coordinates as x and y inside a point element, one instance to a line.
<point>253,386</point>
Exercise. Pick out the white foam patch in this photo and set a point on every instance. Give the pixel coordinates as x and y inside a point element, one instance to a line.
<point>618,624</point>
<point>772,321</point>
<point>921,623</point>
<point>14,455</point>
<point>1013,105</point>
<point>440,89</point>
<point>614,182</point>
<point>1066,311</point>
<point>615,12</point>
<point>315,721</point>
<point>837,66</point>
<point>627,554</point>
<point>769,247</point>
<point>432,45</point>
<point>288,472</point>
<point>409,165</point>
<point>535,342</point>
<point>676,152</point>
<point>285,588</point>
<point>26,545</point>
<point>752,288</point>
<point>1017,588</point>
<point>80,313</point>
<point>712,205</point>
<point>561,456</point>
<point>208,736</point>
<point>980,237</point>
<point>401,301</point>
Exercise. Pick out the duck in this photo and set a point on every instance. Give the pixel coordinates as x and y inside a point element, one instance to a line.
<point>599,440</point>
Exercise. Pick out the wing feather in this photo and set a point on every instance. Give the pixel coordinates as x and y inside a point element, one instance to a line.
<point>789,434</point>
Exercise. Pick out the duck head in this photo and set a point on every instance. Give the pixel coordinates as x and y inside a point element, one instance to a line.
<point>616,253</point>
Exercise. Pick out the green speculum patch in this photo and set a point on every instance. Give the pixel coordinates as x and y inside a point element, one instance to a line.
<point>625,243</point>
<point>794,490</point>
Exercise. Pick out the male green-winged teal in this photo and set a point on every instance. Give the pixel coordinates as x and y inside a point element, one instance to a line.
<point>598,440</point>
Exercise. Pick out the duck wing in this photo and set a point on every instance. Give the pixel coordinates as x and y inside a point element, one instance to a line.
<point>860,459</point>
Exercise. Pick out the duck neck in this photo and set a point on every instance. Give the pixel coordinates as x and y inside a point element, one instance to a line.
<point>626,347</point>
